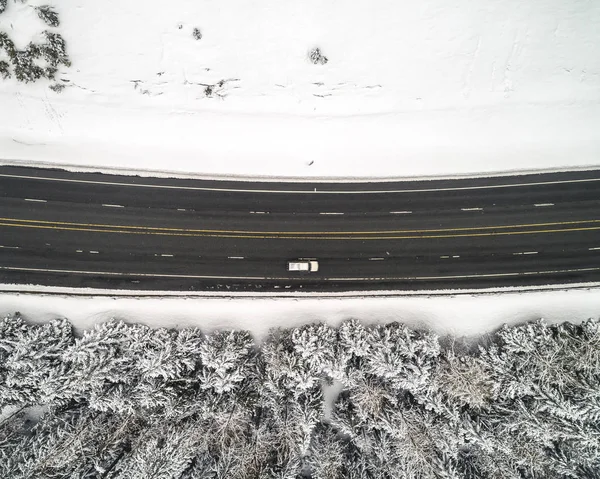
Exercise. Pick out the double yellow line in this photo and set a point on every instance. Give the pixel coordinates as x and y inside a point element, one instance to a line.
<point>500,230</point>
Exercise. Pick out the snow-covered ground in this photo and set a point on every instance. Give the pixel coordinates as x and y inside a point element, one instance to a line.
<point>410,89</point>
<point>458,315</point>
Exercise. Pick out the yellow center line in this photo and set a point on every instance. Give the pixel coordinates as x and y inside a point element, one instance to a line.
<point>245,233</point>
<point>276,236</point>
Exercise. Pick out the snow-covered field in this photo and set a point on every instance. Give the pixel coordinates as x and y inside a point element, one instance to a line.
<point>410,89</point>
<point>463,315</point>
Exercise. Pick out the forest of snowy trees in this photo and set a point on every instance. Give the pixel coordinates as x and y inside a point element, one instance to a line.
<point>383,401</point>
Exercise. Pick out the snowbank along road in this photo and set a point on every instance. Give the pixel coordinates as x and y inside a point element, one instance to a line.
<point>93,230</point>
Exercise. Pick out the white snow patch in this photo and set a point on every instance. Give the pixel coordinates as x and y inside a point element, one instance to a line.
<point>330,394</point>
<point>410,89</point>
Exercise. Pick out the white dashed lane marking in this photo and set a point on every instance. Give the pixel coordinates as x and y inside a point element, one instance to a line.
<point>35,200</point>
<point>471,209</point>
<point>112,206</point>
<point>541,205</point>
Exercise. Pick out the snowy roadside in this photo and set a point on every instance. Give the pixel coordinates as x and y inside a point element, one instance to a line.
<point>33,289</point>
<point>459,315</point>
<point>446,143</point>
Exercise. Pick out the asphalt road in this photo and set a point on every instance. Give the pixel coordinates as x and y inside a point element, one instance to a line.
<point>91,230</point>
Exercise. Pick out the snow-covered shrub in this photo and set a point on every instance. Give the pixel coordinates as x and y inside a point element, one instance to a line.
<point>54,50</point>
<point>197,34</point>
<point>57,87</point>
<point>7,45</point>
<point>316,57</point>
<point>48,15</point>
<point>4,70</point>
<point>25,66</point>
<point>3,4</point>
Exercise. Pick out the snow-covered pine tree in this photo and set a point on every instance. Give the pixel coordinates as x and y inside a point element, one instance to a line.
<point>228,360</point>
<point>32,359</point>
<point>316,345</point>
<point>541,384</point>
<point>287,374</point>
<point>101,367</point>
<point>13,426</point>
<point>113,443</point>
<point>163,452</point>
<point>170,354</point>
<point>11,328</point>
<point>326,457</point>
<point>463,379</point>
<point>402,357</point>
<point>226,402</point>
<point>353,344</point>
<point>228,464</point>
<point>202,466</point>
<point>61,444</point>
<point>165,368</point>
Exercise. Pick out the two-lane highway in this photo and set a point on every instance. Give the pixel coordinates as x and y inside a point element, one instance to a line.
<point>85,229</point>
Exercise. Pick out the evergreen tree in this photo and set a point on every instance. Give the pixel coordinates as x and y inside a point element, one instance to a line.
<point>402,358</point>
<point>163,452</point>
<point>326,455</point>
<point>33,359</point>
<point>316,347</point>
<point>60,444</point>
<point>48,15</point>
<point>228,361</point>
<point>464,380</point>
<point>54,50</point>
<point>4,70</point>
<point>24,63</point>
<point>354,344</point>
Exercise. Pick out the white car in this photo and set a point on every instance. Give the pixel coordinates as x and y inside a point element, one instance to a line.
<point>303,266</point>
